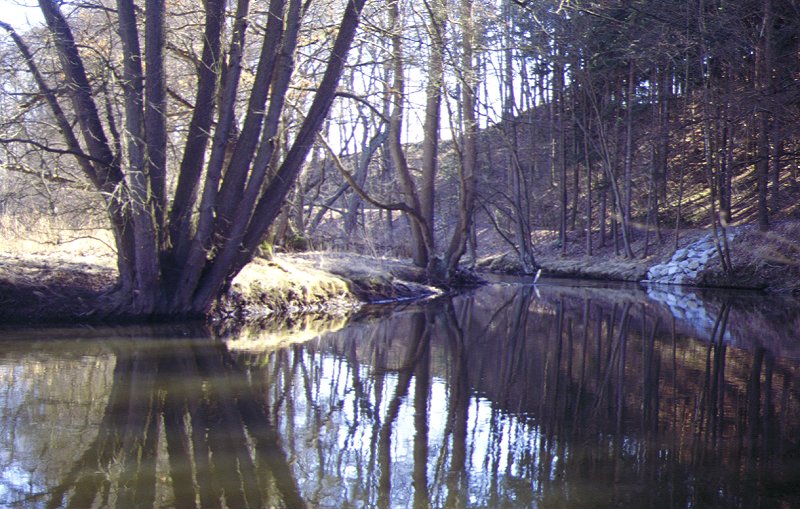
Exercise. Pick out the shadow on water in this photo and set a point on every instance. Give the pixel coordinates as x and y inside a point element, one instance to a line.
<point>506,397</point>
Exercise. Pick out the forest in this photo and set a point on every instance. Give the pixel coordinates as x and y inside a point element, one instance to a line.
<point>204,135</point>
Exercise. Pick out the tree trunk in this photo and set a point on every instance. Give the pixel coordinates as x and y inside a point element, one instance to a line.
<point>588,158</point>
<point>777,153</point>
<point>602,213</point>
<point>763,73</point>
<point>469,150</point>
<point>238,251</point>
<point>430,129</point>
<point>421,247</point>
<point>561,160</point>
<point>147,262</point>
<point>194,150</point>
<point>762,170</point>
<point>628,170</point>
<point>155,114</point>
<point>519,197</point>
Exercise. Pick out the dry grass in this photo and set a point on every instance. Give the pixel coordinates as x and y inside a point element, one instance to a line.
<point>317,281</point>
<point>49,236</point>
<point>277,286</point>
<point>370,278</point>
<point>769,260</point>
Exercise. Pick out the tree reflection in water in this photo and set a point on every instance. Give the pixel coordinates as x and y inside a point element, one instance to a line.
<point>504,398</point>
<point>186,414</point>
<point>536,402</point>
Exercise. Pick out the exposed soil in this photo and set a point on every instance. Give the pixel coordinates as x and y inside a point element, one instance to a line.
<point>48,287</point>
<point>53,288</point>
<point>314,282</point>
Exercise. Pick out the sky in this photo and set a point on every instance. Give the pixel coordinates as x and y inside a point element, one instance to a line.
<point>20,13</point>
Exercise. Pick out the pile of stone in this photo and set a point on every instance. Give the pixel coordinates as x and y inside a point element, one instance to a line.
<point>686,263</point>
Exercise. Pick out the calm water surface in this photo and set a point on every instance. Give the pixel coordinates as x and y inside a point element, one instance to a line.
<point>511,396</point>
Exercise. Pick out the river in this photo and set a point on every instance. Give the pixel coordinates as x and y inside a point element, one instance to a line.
<point>567,394</point>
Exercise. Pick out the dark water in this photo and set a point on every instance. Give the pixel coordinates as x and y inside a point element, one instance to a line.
<point>561,396</point>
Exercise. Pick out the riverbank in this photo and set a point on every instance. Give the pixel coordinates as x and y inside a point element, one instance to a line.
<point>766,261</point>
<point>321,282</point>
<point>73,285</point>
<point>65,287</point>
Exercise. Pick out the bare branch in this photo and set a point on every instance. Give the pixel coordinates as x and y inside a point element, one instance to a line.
<point>21,168</point>
<point>77,153</point>
<point>402,207</point>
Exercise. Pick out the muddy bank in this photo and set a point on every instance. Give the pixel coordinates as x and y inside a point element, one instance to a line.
<point>51,288</point>
<point>609,269</point>
<point>40,288</point>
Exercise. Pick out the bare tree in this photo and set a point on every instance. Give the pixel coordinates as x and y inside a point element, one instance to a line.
<point>469,156</point>
<point>177,252</point>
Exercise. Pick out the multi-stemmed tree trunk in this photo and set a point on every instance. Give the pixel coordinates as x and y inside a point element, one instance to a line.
<point>178,252</point>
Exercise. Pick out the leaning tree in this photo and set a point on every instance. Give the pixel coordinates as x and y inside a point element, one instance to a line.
<point>185,226</point>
